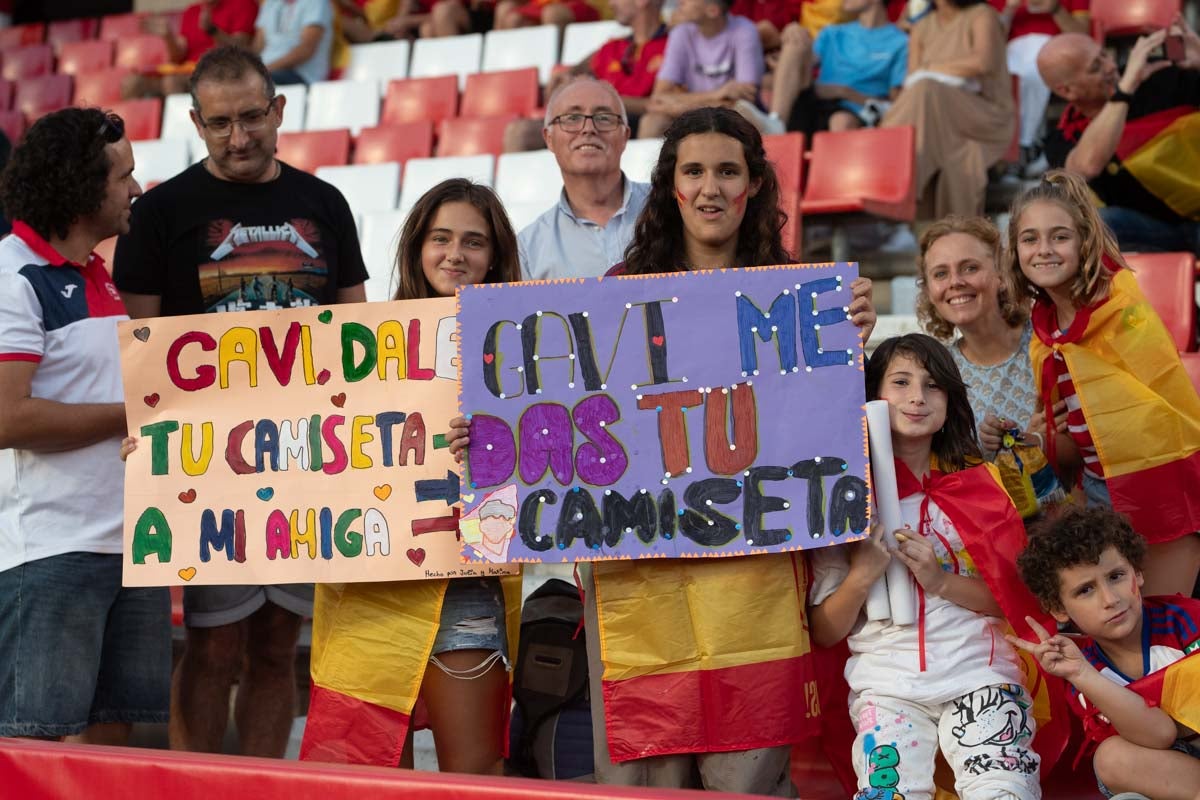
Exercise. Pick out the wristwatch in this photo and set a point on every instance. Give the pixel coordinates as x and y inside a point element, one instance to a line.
<point>1120,96</point>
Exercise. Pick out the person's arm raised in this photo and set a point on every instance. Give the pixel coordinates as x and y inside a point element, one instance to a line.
<point>1099,140</point>
<point>1126,710</point>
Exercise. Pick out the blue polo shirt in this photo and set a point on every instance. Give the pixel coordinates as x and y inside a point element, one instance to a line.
<point>558,244</point>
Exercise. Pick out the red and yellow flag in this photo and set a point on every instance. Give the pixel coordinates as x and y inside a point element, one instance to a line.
<point>1140,405</point>
<point>707,655</point>
<point>992,531</point>
<point>1176,690</point>
<point>371,644</point>
<point>1162,151</point>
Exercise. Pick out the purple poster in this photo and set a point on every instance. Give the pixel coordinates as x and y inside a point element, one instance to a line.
<point>681,416</point>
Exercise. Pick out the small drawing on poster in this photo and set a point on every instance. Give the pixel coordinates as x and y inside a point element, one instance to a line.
<point>488,529</point>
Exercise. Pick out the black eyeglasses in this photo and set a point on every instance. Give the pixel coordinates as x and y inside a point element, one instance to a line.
<point>112,129</point>
<point>603,121</point>
<point>251,121</point>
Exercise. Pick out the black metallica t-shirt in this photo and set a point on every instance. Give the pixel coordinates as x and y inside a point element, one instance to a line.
<point>204,244</point>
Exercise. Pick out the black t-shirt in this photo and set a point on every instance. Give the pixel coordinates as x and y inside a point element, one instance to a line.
<point>1169,89</point>
<point>204,244</point>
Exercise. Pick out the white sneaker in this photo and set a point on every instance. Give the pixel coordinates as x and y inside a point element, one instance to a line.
<point>767,124</point>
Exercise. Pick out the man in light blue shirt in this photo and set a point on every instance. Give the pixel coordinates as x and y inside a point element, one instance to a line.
<point>587,231</point>
<point>294,38</point>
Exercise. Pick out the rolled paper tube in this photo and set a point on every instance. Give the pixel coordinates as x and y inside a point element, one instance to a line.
<point>898,587</point>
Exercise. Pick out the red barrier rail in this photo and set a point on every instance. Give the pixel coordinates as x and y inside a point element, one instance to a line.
<point>33,770</point>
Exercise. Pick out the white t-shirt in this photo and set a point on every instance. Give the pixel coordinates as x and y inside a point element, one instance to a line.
<point>964,650</point>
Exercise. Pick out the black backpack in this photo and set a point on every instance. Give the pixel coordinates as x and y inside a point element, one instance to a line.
<point>551,734</point>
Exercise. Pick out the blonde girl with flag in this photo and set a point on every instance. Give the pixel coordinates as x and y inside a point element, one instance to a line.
<point>1132,410</point>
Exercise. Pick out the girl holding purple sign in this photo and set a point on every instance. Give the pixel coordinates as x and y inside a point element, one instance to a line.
<point>445,642</point>
<point>730,711</point>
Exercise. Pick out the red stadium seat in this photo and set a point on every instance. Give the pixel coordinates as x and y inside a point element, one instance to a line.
<point>22,35</point>
<point>13,125</point>
<point>1191,362</point>
<point>1169,282</point>
<point>7,88</point>
<point>71,30</point>
<point>786,152</point>
<point>313,149</point>
<point>417,99</point>
<point>27,62</point>
<point>121,26</point>
<point>467,136</point>
<point>99,88</point>
<point>493,94</point>
<point>869,172</point>
<point>141,53</point>
<point>1130,17</point>
<point>75,58</point>
<point>38,96</point>
<point>394,143</point>
<point>143,118</point>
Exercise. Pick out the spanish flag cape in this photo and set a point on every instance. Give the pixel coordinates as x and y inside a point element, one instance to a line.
<point>704,655</point>
<point>992,531</point>
<point>371,644</point>
<point>1141,408</point>
<point>1162,151</point>
<point>1169,622</point>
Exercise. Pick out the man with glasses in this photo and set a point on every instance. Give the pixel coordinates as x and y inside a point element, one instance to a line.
<point>80,656</point>
<point>587,231</point>
<point>240,230</point>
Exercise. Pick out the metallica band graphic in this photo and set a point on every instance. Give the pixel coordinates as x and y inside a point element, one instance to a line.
<point>262,267</point>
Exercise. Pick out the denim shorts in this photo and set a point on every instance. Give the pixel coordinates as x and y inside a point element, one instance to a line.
<point>1180,745</point>
<point>472,617</point>
<point>215,606</point>
<point>76,648</point>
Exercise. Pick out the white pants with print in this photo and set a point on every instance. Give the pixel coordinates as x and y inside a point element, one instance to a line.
<point>985,737</point>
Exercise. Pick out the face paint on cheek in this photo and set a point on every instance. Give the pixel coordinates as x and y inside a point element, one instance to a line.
<point>739,202</point>
<point>679,198</point>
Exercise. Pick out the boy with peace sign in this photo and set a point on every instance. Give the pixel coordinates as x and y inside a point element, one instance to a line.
<point>1135,678</point>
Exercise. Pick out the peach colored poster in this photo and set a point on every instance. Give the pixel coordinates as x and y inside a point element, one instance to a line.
<point>293,446</point>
